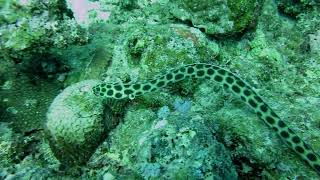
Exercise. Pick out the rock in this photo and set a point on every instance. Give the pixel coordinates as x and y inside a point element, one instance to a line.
<point>218,17</point>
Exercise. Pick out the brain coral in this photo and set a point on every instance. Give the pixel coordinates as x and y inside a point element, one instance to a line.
<point>75,123</point>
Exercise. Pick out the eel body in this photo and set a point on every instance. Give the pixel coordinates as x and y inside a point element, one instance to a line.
<point>226,79</point>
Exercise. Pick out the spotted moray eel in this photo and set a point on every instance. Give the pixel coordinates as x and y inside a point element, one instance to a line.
<point>226,79</point>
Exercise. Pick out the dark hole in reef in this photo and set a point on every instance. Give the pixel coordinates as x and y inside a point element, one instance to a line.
<point>135,52</point>
<point>202,29</point>
<point>44,66</point>
<point>129,5</point>
<point>239,162</point>
<point>3,113</point>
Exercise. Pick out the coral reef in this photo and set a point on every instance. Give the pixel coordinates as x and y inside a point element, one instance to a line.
<point>230,82</point>
<point>176,44</point>
<point>218,17</point>
<point>134,56</point>
<point>75,123</point>
<point>179,146</point>
<point>91,60</point>
<point>35,165</point>
<point>294,8</point>
<point>8,146</point>
<point>24,100</point>
<point>189,129</point>
<point>35,24</point>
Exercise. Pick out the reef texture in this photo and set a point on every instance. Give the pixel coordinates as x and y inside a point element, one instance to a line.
<point>218,17</point>
<point>75,123</point>
<point>188,130</point>
<point>178,145</point>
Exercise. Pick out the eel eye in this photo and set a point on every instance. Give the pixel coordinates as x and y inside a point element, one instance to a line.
<point>95,91</point>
